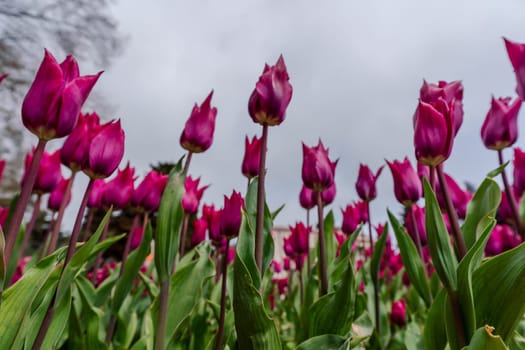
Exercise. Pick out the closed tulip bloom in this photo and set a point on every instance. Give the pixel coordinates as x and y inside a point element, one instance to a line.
<point>460,197</point>
<point>197,135</point>
<point>516,52</point>
<point>398,314</point>
<point>519,171</point>
<point>366,183</point>
<point>451,92</point>
<point>2,168</point>
<point>2,77</point>
<point>299,238</point>
<point>502,238</point>
<point>272,94</point>
<point>353,216</point>
<point>232,215</point>
<point>106,150</point>
<point>306,198</point>
<point>96,193</point>
<point>192,195</point>
<point>500,128</point>
<point>52,104</point>
<point>318,172</point>
<point>252,156</point>
<point>4,213</point>
<point>433,132</point>
<point>136,237</point>
<point>213,218</point>
<point>328,195</point>
<point>407,185</point>
<point>119,190</point>
<point>199,231</point>
<point>148,193</point>
<point>417,226</point>
<point>49,172</point>
<point>75,150</point>
<point>57,195</point>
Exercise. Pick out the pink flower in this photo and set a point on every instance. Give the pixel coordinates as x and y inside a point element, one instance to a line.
<point>460,198</point>
<point>57,195</point>
<point>197,135</point>
<point>516,52</point>
<point>298,239</point>
<point>2,167</point>
<point>232,215</point>
<point>136,237</point>
<point>4,213</point>
<point>451,92</point>
<point>501,239</point>
<point>306,198</point>
<point>318,172</point>
<point>519,171</point>
<point>192,195</point>
<point>106,150</point>
<point>252,156</point>
<point>398,313</point>
<point>119,190</point>
<point>417,226</point>
<point>366,183</point>
<point>199,231</point>
<point>272,94</point>
<point>148,193</point>
<point>52,104</point>
<point>75,150</point>
<point>407,185</point>
<point>353,216</point>
<point>95,196</point>
<point>213,218</point>
<point>500,128</point>
<point>49,172</point>
<point>328,195</point>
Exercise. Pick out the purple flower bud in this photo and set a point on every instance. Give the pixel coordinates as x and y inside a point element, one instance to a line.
<point>318,171</point>
<point>49,172</point>
<point>272,94</point>
<point>199,231</point>
<point>328,195</point>
<point>460,198</point>
<point>417,226</point>
<point>505,213</point>
<point>57,195</point>
<point>213,218</point>
<point>407,185</point>
<point>366,183</point>
<point>502,238</point>
<point>4,213</point>
<point>192,195</point>
<point>75,150</point>
<point>298,240</point>
<point>95,196</point>
<point>500,128</point>
<point>136,237</point>
<point>519,171</point>
<point>2,167</point>
<point>252,156</point>
<point>353,216</point>
<point>451,92</point>
<point>119,190</point>
<point>398,313</point>
<point>52,104</point>
<point>106,150</point>
<point>306,198</point>
<point>148,193</point>
<point>232,215</point>
<point>516,52</point>
<point>197,135</point>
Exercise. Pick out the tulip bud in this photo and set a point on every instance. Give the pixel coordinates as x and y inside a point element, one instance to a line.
<point>2,167</point>
<point>451,92</point>
<point>516,52</point>
<point>418,226</point>
<point>505,213</point>
<point>433,132</point>
<point>197,135</point>
<point>306,198</point>
<point>4,213</point>
<point>148,193</point>
<point>407,185</point>
<point>106,150</point>
<point>49,172</point>
<point>519,171</point>
<point>500,128</point>
<point>119,190</point>
<point>51,107</point>
<point>366,183</point>
<point>57,195</point>
<point>96,193</point>
<point>192,195</point>
<point>213,218</point>
<point>298,239</point>
<point>252,156</point>
<point>327,195</point>
<point>318,171</point>
<point>272,94</point>
<point>199,231</point>
<point>232,215</point>
<point>136,237</point>
<point>353,216</point>
<point>502,238</point>
<point>460,198</point>
<point>75,150</point>
<point>398,313</point>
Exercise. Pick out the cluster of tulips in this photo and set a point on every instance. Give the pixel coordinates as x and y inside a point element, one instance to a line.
<point>192,277</point>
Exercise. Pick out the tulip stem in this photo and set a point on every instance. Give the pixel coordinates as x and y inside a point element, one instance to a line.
<point>23,199</point>
<point>308,261</point>
<point>218,342</point>
<point>187,163</point>
<point>47,238</point>
<point>70,251</point>
<point>87,228</point>
<point>461,248</point>
<point>99,258</point>
<point>322,248</point>
<point>301,285</point>
<point>432,178</point>
<point>370,238</point>
<point>259,226</point>
<point>511,198</point>
<point>183,233</point>
<point>375,283</point>
<point>163,309</point>
<point>31,224</point>
<point>56,227</point>
<point>415,230</point>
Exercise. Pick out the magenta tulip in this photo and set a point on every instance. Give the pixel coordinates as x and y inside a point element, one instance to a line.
<point>136,237</point>
<point>4,213</point>
<point>197,135</point>
<point>213,218</point>
<point>192,195</point>
<point>451,92</point>
<point>298,239</point>
<point>52,104</point>
<point>252,156</point>
<point>119,190</point>
<point>272,94</point>
<point>318,171</point>
<point>502,238</point>
<point>2,168</point>
<point>500,128</point>
<point>231,215</point>
<point>199,231</point>
<point>519,171</point>
<point>366,183</point>
<point>2,77</point>
<point>516,52</point>
<point>460,197</point>
<point>49,172</point>
<point>353,216</point>
<point>328,195</point>
<point>57,195</point>
<point>75,150</point>
<point>106,150</point>
<point>96,193</point>
<point>148,193</point>
<point>407,185</point>
<point>418,226</point>
<point>398,313</point>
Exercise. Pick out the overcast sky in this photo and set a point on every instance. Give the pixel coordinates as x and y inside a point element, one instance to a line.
<point>356,68</point>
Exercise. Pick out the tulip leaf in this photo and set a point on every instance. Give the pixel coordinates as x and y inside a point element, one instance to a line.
<point>375,263</point>
<point>441,252</point>
<point>497,287</point>
<point>92,318</point>
<point>169,220</point>
<point>333,313</point>
<point>434,332</point>
<point>131,270</point>
<point>483,339</point>
<point>323,342</point>
<point>498,170</point>
<point>411,261</point>
<point>484,203</point>
<point>255,328</point>
<point>54,334</point>
<point>330,245</point>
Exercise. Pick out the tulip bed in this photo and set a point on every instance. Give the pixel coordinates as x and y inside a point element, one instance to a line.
<point>185,278</point>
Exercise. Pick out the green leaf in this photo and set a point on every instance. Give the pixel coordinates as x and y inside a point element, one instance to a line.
<point>411,261</point>
<point>92,317</point>
<point>441,252</point>
<point>58,324</point>
<point>484,203</point>
<point>323,342</point>
<point>333,313</point>
<point>483,339</point>
<point>378,254</point>
<point>434,332</point>
<point>498,170</point>
<point>497,287</point>
<point>131,270</point>
<point>169,220</point>
<point>255,329</point>
<point>329,237</point>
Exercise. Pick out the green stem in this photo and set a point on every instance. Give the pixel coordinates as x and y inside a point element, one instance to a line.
<point>322,248</point>
<point>259,225</point>
<point>162,317</point>
<point>220,333</point>
<point>31,224</point>
<point>61,211</point>
<point>511,199</point>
